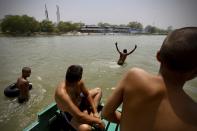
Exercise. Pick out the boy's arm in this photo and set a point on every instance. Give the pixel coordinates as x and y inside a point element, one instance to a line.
<point>132,50</point>
<point>89,98</point>
<point>70,107</point>
<point>109,111</point>
<point>117,48</point>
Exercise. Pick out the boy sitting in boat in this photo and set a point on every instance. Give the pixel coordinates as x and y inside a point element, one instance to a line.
<point>23,85</point>
<point>158,102</point>
<point>78,105</point>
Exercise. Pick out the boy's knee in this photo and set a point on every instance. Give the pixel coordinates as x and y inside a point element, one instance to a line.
<point>84,127</point>
<point>98,89</point>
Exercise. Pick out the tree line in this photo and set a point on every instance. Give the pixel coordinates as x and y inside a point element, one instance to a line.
<point>24,24</point>
<point>27,25</point>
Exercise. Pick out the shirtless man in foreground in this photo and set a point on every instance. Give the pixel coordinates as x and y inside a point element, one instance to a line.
<point>158,102</point>
<point>23,85</point>
<point>124,54</point>
<point>78,105</point>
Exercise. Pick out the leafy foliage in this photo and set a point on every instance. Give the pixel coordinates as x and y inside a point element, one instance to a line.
<point>47,26</point>
<point>68,26</point>
<point>135,25</point>
<point>153,30</point>
<point>19,24</point>
<point>26,25</point>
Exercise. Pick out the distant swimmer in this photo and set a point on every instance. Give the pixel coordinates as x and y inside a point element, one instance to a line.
<point>23,85</point>
<point>124,54</point>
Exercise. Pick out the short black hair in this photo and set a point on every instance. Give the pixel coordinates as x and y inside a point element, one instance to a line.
<point>26,69</point>
<point>125,50</point>
<point>179,49</point>
<point>74,73</point>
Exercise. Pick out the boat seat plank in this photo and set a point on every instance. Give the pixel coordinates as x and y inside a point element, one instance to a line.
<point>50,119</point>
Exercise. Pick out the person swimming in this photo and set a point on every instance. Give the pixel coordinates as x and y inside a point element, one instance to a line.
<point>124,54</point>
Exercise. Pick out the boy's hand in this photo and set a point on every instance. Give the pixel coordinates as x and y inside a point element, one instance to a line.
<point>96,115</point>
<point>101,125</point>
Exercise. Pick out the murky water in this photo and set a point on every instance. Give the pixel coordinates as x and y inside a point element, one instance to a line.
<point>49,58</point>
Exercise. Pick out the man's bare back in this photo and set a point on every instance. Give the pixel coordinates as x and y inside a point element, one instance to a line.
<point>158,102</point>
<point>148,105</point>
<point>23,85</point>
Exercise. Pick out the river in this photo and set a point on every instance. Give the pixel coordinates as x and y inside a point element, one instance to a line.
<point>49,58</point>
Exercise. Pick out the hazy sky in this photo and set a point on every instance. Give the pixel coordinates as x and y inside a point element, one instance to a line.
<point>160,13</point>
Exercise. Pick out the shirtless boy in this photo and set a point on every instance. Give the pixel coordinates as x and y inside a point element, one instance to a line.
<point>70,95</point>
<point>158,102</point>
<point>124,54</point>
<point>23,85</point>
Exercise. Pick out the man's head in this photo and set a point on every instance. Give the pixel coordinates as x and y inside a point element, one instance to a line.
<point>179,50</point>
<point>26,71</point>
<point>125,51</point>
<point>74,73</point>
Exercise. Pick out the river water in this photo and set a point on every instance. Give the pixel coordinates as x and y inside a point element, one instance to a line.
<point>49,58</point>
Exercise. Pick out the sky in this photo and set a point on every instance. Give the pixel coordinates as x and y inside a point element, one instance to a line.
<point>160,13</point>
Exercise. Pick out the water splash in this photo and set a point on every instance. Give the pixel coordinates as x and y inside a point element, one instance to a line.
<point>114,65</point>
<point>39,78</point>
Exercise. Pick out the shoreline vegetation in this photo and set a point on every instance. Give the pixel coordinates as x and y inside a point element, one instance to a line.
<point>40,34</point>
<point>16,25</point>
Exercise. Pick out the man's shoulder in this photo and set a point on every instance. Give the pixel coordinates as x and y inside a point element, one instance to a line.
<point>81,84</point>
<point>144,82</point>
<point>60,89</point>
<point>22,81</point>
<point>136,78</point>
<point>138,72</point>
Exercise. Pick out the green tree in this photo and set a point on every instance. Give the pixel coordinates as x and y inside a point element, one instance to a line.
<point>31,24</point>
<point>80,24</point>
<point>150,29</point>
<point>10,23</point>
<point>135,25</point>
<point>153,30</point>
<point>69,26</point>
<point>60,26</point>
<point>19,24</point>
<point>47,26</point>
<point>77,26</point>
<point>64,26</point>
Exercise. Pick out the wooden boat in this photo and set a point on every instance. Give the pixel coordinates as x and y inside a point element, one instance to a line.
<point>50,119</point>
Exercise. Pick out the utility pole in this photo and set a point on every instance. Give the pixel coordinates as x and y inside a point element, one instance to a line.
<point>46,13</point>
<point>58,14</point>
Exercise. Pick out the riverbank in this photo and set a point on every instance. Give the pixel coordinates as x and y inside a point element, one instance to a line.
<point>38,34</point>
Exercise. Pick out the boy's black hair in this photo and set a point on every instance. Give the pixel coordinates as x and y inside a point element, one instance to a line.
<point>26,69</point>
<point>179,49</point>
<point>125,51</point>
<point>74,73</point>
